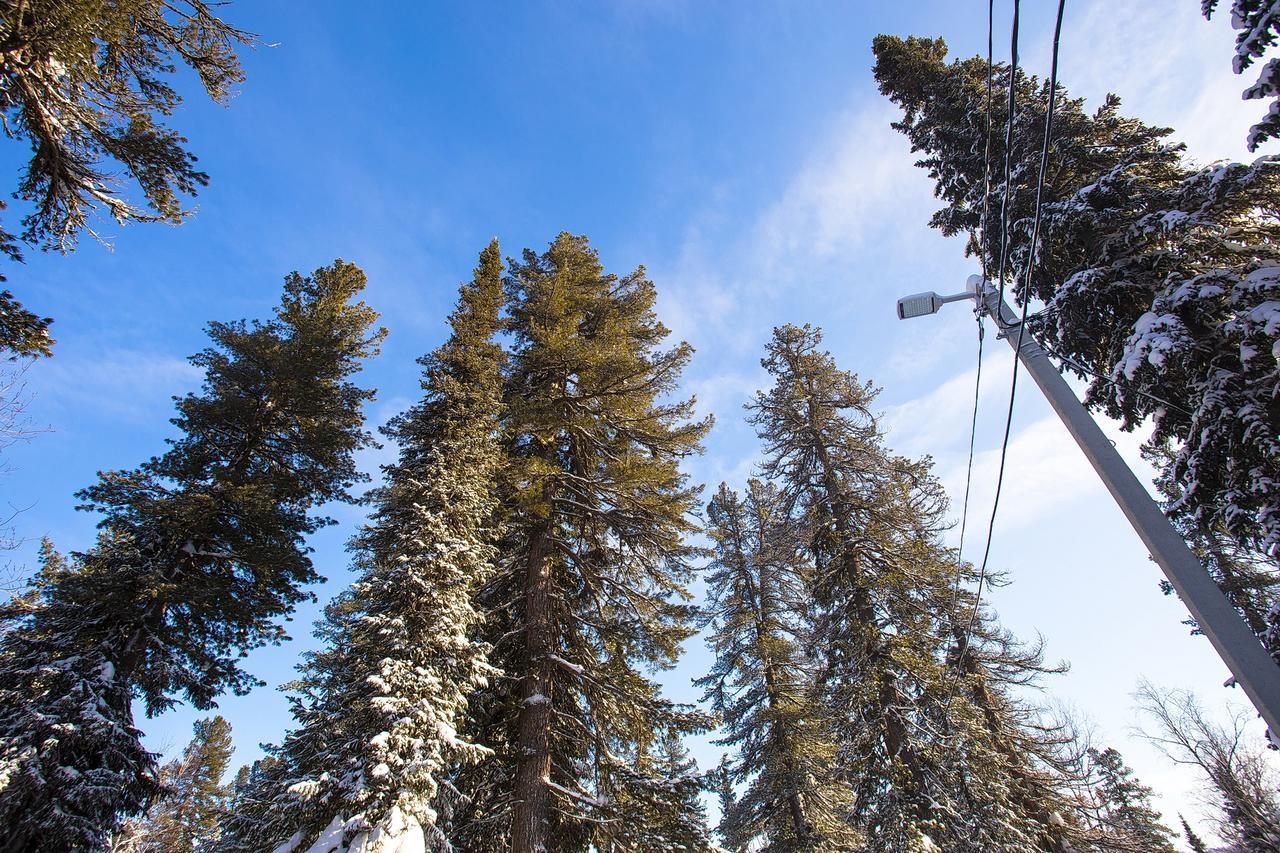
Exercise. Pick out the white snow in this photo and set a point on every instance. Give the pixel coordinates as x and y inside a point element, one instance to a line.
<point>397,833</point>
<point>572,667</point>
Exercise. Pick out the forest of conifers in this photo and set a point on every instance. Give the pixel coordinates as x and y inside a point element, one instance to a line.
<point>526,569</point>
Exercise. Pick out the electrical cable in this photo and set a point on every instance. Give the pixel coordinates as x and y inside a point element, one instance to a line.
<point>1032,250</point>
<point>982,255</point>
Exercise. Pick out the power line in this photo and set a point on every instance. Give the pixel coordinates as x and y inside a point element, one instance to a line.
<point>1033,249</point>
<point>982,254</point>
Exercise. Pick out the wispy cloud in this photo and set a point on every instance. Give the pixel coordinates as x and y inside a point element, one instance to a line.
<point>1169,66</point>
<point>134,386</point>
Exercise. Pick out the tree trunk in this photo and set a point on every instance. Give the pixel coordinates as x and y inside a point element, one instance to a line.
<point>530,818</point>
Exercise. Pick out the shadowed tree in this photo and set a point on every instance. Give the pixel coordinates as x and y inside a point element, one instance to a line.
<point>201,553</point>
<point>87,84</point>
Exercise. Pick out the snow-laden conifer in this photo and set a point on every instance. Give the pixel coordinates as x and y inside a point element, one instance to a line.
<point>379,708</point>
<point>201,553</point>
<point>662,803</point>
<point>590,595</point>
<point>762,685</point>
<point>1160,281</point>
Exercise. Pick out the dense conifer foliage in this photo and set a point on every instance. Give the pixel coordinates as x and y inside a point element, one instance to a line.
<point>189,815</point>
<point>1159,281</point>
<point>1123,804</point>
<point>199,557</point>
<point>917,685</point>
<point>762,684</point>
<point>379,708</point>
<point>86,84</point>
<point>590,592</point>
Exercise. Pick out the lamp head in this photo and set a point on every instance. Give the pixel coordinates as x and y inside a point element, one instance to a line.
<point>918,305</point>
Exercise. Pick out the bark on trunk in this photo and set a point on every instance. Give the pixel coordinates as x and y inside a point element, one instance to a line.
<point>530,817</point>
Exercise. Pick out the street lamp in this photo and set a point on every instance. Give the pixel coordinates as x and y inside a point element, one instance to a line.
<point>1235,643</point>
<point>920,304</point>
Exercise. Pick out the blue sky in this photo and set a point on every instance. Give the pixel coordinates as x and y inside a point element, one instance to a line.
<point>739,150</point>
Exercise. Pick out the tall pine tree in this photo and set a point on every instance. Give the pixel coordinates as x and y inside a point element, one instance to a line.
<point>590,593</point>
<point>201,553</point>
<point>932,740</point>
<point>762,686</point>
<point>380,707</point>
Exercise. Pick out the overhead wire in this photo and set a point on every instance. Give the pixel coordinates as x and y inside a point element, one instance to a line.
<point>1032,251</point>
<point>982,255</point>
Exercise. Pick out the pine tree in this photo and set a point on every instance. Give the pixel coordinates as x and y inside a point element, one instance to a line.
<point>189,813</point>
<point>1195,842</point>
<point>761,684</point>
<point>1259,24</point>
<point>201,552</point>
<point>728,800</point>
<point>935,746</point>
<point>1159,280</point>
<point>590,591</point>
<point>84,83</point>
<point>1124,805</point>
<point>378,710</point>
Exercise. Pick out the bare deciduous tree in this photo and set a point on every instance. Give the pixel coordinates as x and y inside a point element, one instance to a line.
<point>1243,781</point>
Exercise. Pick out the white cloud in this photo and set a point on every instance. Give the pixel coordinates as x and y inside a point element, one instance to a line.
<point>1169,66</point>
<point>858,180</point>
<point>129,385</point>
<point>859,183</point>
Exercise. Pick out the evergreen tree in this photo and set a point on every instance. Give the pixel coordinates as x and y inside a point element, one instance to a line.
<point>1124,805</point>
<point>761,685</point>
<point>1195,842</point>
<point>379,708</point>
<point>590,591</point>
<point>1248,579</point>
<point>1159,280</point>
<point>728,800</point>
<point>931,739</point>
<point>1259,24</point>
<point>189,813</point>
<point>84,82</point>
<point>201,552</point>
<point>663,804</point>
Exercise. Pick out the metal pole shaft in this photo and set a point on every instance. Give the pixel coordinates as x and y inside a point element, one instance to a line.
<point>1240,650</point>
